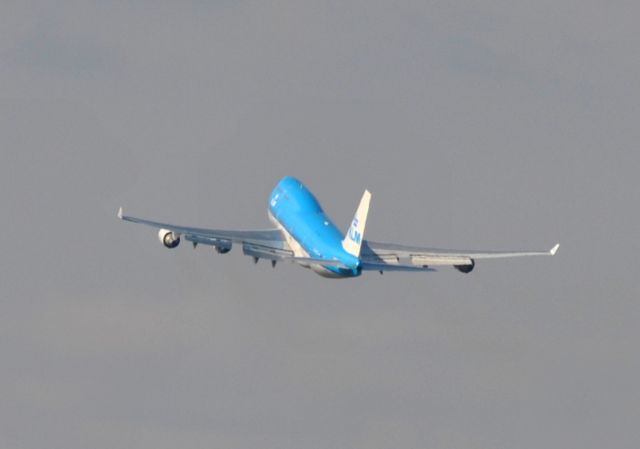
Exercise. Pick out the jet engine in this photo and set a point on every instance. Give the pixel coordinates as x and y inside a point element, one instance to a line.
<point>465,268</point>
<point>169,238</point>
<point>223,249</point>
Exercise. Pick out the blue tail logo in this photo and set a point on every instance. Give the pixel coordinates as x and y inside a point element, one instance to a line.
<point>353,237</point>
<point>353,232</point>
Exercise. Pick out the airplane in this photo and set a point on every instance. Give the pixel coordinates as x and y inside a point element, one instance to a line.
<point>305,235</point>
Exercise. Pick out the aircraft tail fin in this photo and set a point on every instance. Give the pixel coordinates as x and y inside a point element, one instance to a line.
<point>355,235</point>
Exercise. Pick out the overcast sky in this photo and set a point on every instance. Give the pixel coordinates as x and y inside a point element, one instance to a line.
<point>479,125</point>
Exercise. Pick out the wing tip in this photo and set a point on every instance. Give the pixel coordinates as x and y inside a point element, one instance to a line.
<point>120,213</point>
<point>554,250</point>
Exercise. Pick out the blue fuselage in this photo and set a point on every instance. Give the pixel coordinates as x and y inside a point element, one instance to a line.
<point>309,231</point>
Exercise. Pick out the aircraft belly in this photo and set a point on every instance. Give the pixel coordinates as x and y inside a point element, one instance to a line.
<point>299,251</point>
<point>325,272</point>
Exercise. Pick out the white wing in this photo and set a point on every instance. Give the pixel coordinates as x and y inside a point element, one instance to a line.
<point>389,256</point>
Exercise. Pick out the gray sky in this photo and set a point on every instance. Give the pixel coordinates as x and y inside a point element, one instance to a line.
<point>487,125</point>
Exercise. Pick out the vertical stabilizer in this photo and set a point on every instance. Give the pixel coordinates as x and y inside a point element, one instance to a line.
<point>355,235</point>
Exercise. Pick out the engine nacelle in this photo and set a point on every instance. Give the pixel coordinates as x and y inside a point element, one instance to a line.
<point>169,238</point>
<point>223,249</point>
<point>465,268</point>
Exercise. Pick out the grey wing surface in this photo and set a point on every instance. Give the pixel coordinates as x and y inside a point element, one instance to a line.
<point>262,243</point>
<point>393,257</point>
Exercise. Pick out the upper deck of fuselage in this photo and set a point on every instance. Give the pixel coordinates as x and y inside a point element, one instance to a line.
<point>292,195</point>
<point>300,213</point>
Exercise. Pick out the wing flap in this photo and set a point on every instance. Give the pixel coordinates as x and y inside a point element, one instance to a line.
<point>381,266</point>
<point>265,251</point>
<point>435,259</point>
<point>276,254</point>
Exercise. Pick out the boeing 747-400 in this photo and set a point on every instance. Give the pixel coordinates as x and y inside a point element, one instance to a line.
<point>305,235</point>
